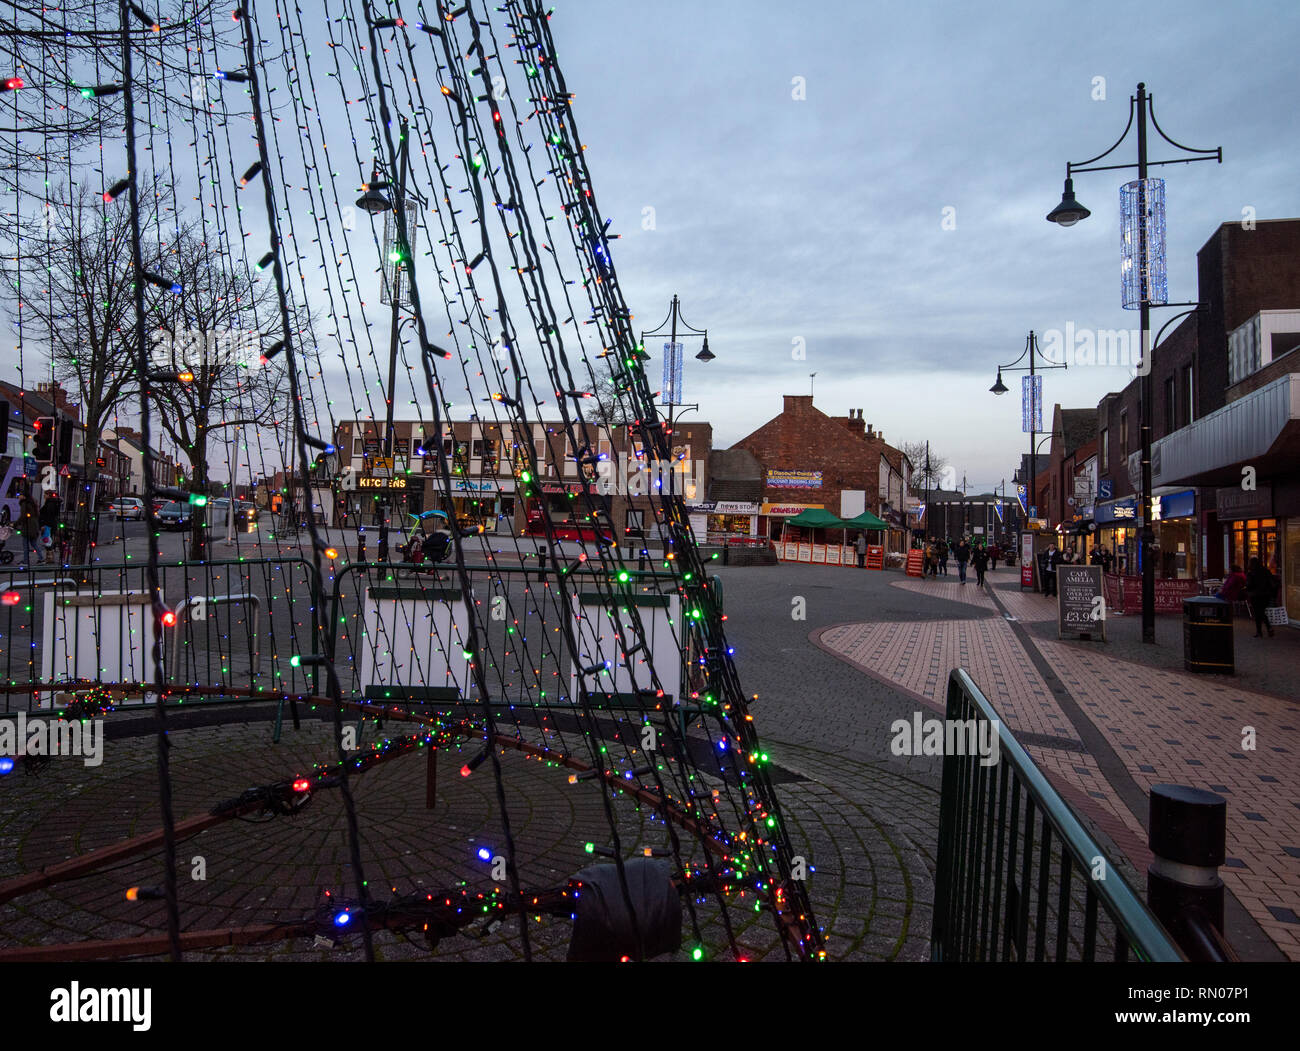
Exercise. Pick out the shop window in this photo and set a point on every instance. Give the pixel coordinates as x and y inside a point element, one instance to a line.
<point>635,523</point>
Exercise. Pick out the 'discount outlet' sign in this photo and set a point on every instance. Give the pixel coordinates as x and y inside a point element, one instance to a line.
<point>1080,604</point>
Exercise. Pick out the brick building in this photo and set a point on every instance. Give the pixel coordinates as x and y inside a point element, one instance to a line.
<point>839,463</point>
<point>484,459</point>
<point>1249,282</point>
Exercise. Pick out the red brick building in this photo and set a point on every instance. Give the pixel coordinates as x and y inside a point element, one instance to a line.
<point>839,463</point>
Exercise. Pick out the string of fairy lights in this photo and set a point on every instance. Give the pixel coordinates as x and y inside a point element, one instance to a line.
<point>239,124</point>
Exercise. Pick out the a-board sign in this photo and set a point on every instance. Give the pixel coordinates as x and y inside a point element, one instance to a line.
<point>1027,561</point>
<point>1080,603</point>
<point>875,556</point>
<point>915,562</point>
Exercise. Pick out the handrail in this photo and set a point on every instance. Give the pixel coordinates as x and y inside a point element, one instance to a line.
<point>973,826</point>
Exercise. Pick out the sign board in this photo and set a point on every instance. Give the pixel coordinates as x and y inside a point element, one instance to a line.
<point>603,665</point>
<point>1106,489</point>
<point>370,482</point>
<point>915,562</point>
<point>381,463</point>
<point>373,445</point>
<point>794,479</point>
<point>1027,560</point>
<point>1031,403</point>
<point>1080,604</point>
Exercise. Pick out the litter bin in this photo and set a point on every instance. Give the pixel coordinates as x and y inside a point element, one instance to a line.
<point>1207,635</point>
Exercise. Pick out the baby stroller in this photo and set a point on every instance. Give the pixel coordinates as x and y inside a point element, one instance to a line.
<point>429,542</point>
<point>6,534</point>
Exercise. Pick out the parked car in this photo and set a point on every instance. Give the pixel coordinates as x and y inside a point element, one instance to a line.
<point>173,515</point>
<point>127,507</point>
<point>244,511</point>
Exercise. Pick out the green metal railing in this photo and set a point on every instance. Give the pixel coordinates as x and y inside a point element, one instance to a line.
<point>1018,876</point>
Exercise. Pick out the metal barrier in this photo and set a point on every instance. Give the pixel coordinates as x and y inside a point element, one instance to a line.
<point>236,630</point>
<point>1009,851</point>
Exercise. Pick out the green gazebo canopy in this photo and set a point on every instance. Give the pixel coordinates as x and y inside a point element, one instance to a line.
<point>866,520</point>
<point>815,518</point>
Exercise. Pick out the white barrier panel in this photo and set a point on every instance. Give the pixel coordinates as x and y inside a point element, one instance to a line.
<point>599,646</point>
<point>416,638</point>
<point>107,637</point>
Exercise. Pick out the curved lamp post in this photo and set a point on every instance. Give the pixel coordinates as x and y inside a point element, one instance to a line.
<point>1030,423</point>
<point>1142,203</point>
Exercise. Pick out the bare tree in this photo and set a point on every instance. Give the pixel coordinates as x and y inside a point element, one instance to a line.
<point>82,310</point>
<point>927,470</point>
<point>607,406</point>
<point>215,338</point>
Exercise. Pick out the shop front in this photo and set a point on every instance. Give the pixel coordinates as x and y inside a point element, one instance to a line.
<point>1116,522</point>
<point>1177,535</point>
<point>489,502</point>
<point>772,517</point>
<point>732,520</point>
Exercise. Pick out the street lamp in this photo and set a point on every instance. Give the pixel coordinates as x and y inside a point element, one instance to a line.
<point>1031,404</point>
<point>673,368</point>
<point>376,203</point>
<point>1143,272</point>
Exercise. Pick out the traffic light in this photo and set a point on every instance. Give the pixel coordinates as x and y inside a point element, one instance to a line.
<point>66,428</point>
<point>43,442</point>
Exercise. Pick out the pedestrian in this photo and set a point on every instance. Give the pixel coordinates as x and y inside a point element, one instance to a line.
<point>49,520</point>
<point>995,552</point>
<point>980,557</point>
<point>29,528</point>
<point>928,549</point>
<point>1233,588</point>
<point>1107,559</point>
<point>1047,561</point>
<point>941,549</point>
<point>1261,587</point>
<point>962,553</point>
<point>860,546</point>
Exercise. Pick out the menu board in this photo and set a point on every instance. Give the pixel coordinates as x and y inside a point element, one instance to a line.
<point>1080,606</point>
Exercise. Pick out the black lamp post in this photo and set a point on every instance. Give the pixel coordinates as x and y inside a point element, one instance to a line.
<point>1035,404</point>
<point>669,327</point>
<point>374,202</point>
<point>1069,212</point>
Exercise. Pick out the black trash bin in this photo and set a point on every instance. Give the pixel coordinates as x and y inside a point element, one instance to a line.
<point>1207,635</point>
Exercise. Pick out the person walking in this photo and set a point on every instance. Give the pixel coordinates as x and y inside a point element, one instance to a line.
<point>29,528</point>
<point>1261,586</point>
<point>931,559</point>
<point>1233,588</point>
<point>49,521</point>
<point>860,546</point>
<point>995,553</point>
<point>962,553</point>
<point>941,549</point>
<point>980,558</point>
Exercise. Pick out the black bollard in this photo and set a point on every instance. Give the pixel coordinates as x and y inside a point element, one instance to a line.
<point>1187,836</point>
<point>541,562</point>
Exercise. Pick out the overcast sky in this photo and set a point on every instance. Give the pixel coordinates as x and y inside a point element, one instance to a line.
<point>858,189</point>
<point>822,219</point>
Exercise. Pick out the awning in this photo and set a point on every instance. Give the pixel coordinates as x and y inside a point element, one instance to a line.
<point>1261,430</point>
<point>866,520</point>
<point>816,519</point>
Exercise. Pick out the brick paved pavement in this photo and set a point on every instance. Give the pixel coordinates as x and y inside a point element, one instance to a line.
<point>1136,725</point>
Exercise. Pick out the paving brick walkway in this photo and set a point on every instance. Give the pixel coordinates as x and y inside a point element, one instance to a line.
<point>1164,725</point>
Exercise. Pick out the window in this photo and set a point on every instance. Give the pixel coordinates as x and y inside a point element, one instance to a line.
<point>1190,394</point>
<point>1105,449</point>
<point>1123,434</point>
<point>480,448</point>
<point>1171,405</point>
<point>635,523</point>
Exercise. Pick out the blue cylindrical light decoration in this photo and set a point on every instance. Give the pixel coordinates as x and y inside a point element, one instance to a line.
<point>1142,243</point>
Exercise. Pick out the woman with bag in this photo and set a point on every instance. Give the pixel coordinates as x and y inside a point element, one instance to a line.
<point>29,528</point>
<point>1261,586</point>
<point>49,520</point>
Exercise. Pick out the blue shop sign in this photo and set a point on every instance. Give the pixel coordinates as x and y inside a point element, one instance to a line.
<point>1178,505</point>
<point>1118,511</point>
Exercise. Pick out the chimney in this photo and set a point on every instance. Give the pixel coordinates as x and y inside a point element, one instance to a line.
<point>796,404</point>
